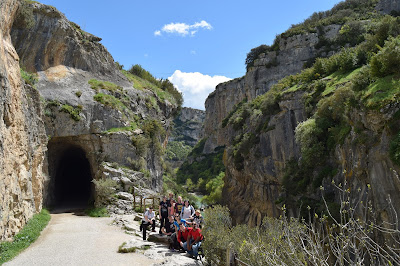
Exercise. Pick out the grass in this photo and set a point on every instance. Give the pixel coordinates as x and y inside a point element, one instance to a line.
<point>29,78</point>
<point>132,127</point>
<point>72,111</point>
<point>98,85</point>
<point>109,100</point>
<point>338,79</point>
<point>97,212</point>
<point>382,92</point>
<point>142,84</point>
<point>25,237</point>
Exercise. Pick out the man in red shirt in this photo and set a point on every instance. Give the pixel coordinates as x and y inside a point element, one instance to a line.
<point>183,235</point>
<point>194,240</point>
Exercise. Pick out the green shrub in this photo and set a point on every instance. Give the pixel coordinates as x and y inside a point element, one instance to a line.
<point>163,84</point>
<point>29,78</point>
<point>109,100</point>
<point>97,212</point>
<point>362,79</point>
<point>387,60</point>
<point>74,112</point>
<point>104,188</point>
<point>177,150</point>
<point>141,143</point>
<point>29,233</point>
<point>214,190</point>
<point>78,94</point>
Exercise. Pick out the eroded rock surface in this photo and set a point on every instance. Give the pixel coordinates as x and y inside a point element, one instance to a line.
<point>22,136</point>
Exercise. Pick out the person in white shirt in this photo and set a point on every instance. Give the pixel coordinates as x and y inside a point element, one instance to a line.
<point>187,211</point>
<point>148,218</point>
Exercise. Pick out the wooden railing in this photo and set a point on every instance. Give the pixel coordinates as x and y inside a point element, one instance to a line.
<point>143,201</point>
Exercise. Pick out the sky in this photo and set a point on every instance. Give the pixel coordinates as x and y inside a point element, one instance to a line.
<point>195,44</point>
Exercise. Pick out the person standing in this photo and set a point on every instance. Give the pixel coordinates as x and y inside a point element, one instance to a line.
<point>187,211</point>
<point>163,212</point>
<point>178,205</point>
<point>171,201</point>
<point>148,219</point>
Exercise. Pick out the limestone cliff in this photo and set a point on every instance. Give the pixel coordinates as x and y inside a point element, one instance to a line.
<point>259,135</point>
<point>22,136</point>
<point>294,52</point>
<point>188,126</point>
<point>187,131</point>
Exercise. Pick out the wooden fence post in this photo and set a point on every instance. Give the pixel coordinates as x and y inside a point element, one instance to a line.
<point>230,256</point>
<point>134,198</point>
<point>141,203</point>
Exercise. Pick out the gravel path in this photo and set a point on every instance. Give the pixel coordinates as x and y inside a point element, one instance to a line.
<point>72,239</point>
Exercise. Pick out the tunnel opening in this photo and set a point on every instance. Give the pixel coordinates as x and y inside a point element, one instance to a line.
<point>71,179</point>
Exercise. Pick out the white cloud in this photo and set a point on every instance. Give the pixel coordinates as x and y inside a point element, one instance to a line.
<point>195,86</point>
<point>193,52</point>
<point>183,29</point>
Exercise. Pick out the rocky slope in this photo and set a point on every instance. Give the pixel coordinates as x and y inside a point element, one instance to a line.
<point>261,148</point>
<point>22,136</point>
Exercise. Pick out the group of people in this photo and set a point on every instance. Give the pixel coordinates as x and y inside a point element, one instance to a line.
<point>179,222</point>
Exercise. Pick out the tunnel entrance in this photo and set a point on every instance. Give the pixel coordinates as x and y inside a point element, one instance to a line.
<point>71,179</point>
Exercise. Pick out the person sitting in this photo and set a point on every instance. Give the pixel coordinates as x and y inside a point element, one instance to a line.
<point>148,218</point>
<point>169,231</point>
<point>194,240</point>
<point>196,218</point>
<point>182,235</point>
<point>169,227</point>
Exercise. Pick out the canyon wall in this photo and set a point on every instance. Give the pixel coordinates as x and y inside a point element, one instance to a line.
<point>294,52</point>
<point>22,136</point>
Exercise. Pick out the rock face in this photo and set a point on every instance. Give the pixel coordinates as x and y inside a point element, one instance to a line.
<point>188,126</point>
<point>52,40</point>
<point>83,120</point>
<point>294,52</point>
<point>251,193</point>
<point>256,190</point>
<point>388,6</point>
<point>22,136</point>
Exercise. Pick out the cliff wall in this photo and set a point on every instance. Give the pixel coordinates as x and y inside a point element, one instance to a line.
<point>264,162</point>
<point>22,136</point>
<point>294,52</point>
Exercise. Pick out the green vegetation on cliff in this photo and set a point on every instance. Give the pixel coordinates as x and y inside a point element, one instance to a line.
<point>163,88</point>
<point>333,89</point>
<point>29,233</point>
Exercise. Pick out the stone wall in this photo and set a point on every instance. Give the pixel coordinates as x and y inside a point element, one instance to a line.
<point>22,136</point>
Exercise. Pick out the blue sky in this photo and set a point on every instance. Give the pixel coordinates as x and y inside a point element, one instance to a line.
<point>196,44</point>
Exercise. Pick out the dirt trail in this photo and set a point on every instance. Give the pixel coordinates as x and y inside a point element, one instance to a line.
<point>73,239</point>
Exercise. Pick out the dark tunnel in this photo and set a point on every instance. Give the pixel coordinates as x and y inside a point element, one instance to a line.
<point>71,184</point>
